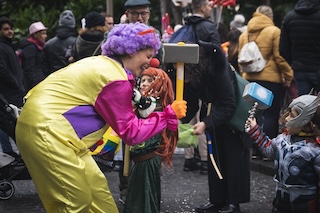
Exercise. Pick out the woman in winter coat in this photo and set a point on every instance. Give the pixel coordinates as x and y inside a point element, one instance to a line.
<point>277,73</point>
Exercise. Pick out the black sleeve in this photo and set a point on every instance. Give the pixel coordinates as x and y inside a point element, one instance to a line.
<point>219,87</point>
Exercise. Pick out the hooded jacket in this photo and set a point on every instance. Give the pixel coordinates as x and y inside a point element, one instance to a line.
<point>300,33</point>
<point>87,43</point>
<point>214,84</point>
<point>55,49</point>
<point>262,30</point>
<point>31,63</point>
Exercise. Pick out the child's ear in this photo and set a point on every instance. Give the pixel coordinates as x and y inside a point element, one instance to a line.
<point>315,128</point>
<point>308,128</point>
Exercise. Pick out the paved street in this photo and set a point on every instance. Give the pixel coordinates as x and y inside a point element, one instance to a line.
<point>181,192</point>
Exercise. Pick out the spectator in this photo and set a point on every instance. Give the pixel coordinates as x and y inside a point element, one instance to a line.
<point>90,39</point>
<point>277,73</point>
<point>300,44</point>
<point>109,22</point>
<point>11,78</point>
<point>139,10</point>
<point>296,156</point>
<point>76,107</point>
<point>32,54</point>
<point>238,23</point>
<point>233,39</point>
<point>55,51</point>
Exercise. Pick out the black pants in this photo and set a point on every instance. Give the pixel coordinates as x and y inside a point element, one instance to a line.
<point>234,163</point>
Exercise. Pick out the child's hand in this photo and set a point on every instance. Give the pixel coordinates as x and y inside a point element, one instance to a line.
<point>251,122</point>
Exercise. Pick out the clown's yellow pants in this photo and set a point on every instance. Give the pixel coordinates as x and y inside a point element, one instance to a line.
<point>65,180</point>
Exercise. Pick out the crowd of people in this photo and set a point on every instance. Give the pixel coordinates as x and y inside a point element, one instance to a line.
<point>74,86</point>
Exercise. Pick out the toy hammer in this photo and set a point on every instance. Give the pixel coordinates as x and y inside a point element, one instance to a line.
<point>260,96</point>
<point>180,54</point>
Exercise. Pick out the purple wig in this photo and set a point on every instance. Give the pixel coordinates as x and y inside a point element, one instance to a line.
<point>125,39</point>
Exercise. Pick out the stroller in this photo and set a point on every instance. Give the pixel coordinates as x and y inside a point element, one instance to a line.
<point>11,167</point>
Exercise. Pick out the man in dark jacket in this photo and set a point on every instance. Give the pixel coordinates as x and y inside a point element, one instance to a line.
<point>210,82</point>
<point>55,51</point>
<point>300,44</point>
<point>11,76</point>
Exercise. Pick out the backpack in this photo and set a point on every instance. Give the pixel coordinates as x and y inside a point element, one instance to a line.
<point>185,34</point>
<point>250,58</point>
<point>241,113</point>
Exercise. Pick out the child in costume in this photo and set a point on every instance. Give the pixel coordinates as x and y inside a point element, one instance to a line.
<point>144,189</point>
<point>73,107</point>
<point>296,154</point>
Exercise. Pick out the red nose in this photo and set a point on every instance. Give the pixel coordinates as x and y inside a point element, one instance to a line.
<point>154,63</point>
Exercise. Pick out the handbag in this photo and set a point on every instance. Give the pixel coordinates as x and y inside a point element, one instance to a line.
<point>186,139</point>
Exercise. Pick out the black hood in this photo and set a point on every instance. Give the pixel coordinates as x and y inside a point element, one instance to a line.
<point>306,7</point>
<point>193,19</point>
<point>24,43</point>
<point>64,32</point>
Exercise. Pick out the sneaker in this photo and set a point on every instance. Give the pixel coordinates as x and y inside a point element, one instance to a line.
<point>122,198</point>
<point>117,165</point>
<point>190,165</point>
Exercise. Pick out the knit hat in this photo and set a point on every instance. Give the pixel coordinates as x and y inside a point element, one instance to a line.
<point>36,27</point>
<point>126,39</point>
<point>94,19</point>
<point>238,23</point>
<point>306,106</point>
<point>67,19</point>
<point>136,3</point>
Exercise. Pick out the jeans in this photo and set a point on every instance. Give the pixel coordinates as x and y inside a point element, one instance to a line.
<point>5,143</point>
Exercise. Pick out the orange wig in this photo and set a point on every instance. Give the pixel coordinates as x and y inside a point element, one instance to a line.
<point>161,89</point>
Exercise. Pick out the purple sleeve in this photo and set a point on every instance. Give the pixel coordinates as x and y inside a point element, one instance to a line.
<point>114,105</point>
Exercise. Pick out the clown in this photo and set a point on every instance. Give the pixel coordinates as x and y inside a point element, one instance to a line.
<point>296,154</point>
<point>72,108</point>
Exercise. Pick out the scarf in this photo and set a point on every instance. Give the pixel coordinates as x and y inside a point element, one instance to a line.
<point>39,44</point>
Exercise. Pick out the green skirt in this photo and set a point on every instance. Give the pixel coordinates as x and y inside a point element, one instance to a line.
<point>144,189</point>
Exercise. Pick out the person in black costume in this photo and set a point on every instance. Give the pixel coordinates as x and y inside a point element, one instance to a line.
<point>210,81</point>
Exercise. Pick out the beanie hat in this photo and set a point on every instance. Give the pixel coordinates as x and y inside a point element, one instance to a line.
<point>67,19</point>
<point>94,19</point>
<point>306,106</point>
<point>126,39</point>
<point>36,27</point>
<point>136,3</point>
<point>238,23</point>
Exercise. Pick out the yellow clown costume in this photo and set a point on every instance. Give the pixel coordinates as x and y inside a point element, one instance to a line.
<point>66,114</point>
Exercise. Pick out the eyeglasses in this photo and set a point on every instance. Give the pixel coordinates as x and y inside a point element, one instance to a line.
<point>136,14</point>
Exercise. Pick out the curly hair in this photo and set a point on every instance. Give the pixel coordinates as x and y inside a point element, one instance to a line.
<point>161,89</point>
<point>126,39</point>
